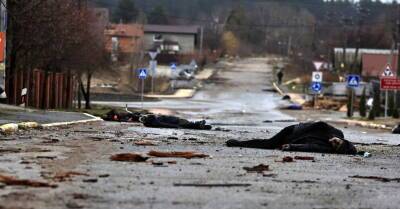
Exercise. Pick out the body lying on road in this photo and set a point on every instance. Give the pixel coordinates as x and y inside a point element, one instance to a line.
<point>304,137</point>
<point>116,116</point>
<point>163,121</point>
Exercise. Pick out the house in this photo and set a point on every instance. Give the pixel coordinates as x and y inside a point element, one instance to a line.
<point>171,39</point>
<point>349,55</point>
<point>123,40</point>
<point>373,65</point>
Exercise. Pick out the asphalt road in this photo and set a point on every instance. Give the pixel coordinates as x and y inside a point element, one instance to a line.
<point>235,102</point>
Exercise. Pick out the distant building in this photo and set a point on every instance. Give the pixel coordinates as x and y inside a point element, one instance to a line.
<point>340,57</point>
<point>373,65</point>
<point>123,40</point>
<point>172,39</point>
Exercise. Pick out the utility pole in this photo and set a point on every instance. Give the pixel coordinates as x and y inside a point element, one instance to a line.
<point>201,39</point>
<point>289,46</point>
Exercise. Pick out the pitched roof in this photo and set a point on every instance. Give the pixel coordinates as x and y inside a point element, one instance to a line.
<point>373,65</point>
<point>129,30</point>
<point>364,51</point>
<point>181,29</point>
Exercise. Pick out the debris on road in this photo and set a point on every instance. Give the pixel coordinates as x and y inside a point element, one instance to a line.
<point>367,155</point>
<point>129,157</point>
<point>90,180</point>
<point>211,185</point>
<point>257,169</point>
<point>145,143</point>
<point>12,181</point>
<point>304,158</point>
<point>9,128</point>
<point>377,178</point>
<point>286,159</point>
<point>29,125</point>
<point>187,155</point>
<point>67,176</point>
<point>47,157</point>
<point>269,175</point>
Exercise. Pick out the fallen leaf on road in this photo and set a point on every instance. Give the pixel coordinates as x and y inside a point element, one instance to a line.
<point>303,158</point>
<point>66,176</point>
<point>257,169</point>
<point>129,157</point>
<point>145,143</point>
<point>286,159</point>
<point>47,157</point>
<point>90,180</point>
<point>12,181</point>
<point>9,150</point>
<point>187,155</point>
<point>377,178</point>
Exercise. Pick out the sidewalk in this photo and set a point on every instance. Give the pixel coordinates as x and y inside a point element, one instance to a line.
<point>338,117</point>
<point>12,114</point>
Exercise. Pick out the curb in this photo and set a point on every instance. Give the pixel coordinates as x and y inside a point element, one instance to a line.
<point>11,128</point>
<point>361,124</point>
<point>94,119</point>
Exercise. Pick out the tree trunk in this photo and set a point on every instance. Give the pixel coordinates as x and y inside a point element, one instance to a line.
<point>87,98</point>
<point>79,95</point>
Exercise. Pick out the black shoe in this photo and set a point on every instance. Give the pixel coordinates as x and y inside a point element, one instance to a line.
<point>233,143</point>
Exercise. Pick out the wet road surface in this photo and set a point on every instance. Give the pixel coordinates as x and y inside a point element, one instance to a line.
<point>237,104</point>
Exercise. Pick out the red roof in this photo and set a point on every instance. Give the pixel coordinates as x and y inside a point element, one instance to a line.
<point>129,37</point>
<point>127,30</point>
<point>373,65</point>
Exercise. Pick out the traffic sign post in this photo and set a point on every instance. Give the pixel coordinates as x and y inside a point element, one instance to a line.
<point>386,81</point>
<point>318,65</point>
<point>317,76</point>
<point>317,88</point>
<point>173,69</point>
<point>316,85</point>
<point>142,74</point>
<point>153,68</point>
<point>353,81</point>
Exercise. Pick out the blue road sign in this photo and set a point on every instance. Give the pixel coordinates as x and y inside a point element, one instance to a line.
<point>142,74</point>
<point>173,66</point>
<point>316,87</point>
<point>353,81</point>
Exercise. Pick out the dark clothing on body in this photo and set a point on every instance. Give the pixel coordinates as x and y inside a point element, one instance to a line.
<point>396,130</point>
<point>115,116</point>
<point>303,137</point>
<point>163,121</point>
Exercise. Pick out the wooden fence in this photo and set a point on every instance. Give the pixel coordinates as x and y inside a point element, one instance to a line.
<point>44,90</point>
